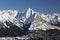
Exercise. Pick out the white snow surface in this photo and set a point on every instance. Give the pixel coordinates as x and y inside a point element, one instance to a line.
<point>7,14</point>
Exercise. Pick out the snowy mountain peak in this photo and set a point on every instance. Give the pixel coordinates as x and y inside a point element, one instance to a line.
<point>30,12</point>
<point>10,12</point>
<point>29,9</point>
<point>7,14</point>
<point>30,16</point>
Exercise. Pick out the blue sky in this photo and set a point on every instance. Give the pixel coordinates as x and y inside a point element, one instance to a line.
<point>42,6</point>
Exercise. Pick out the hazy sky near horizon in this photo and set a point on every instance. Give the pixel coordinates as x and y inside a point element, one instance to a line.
<point>42,6</point>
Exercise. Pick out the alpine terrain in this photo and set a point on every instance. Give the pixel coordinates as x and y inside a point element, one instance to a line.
<point>28,23</point>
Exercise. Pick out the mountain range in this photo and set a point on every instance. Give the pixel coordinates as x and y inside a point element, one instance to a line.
<point>13,22</point>
<point>40,20</point>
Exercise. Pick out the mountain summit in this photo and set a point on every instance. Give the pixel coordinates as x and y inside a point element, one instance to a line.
<point>27,16</point>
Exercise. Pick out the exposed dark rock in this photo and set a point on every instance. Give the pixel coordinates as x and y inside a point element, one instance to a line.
<point>56,24</point>
<point>13,30</point>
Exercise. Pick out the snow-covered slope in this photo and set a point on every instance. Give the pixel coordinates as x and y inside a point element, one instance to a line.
<point>50,17</point>
<point>9,24</point>
<point>10,12</point>
<point>38,20</point>
<point>8,16</point>
<point>42,22</point>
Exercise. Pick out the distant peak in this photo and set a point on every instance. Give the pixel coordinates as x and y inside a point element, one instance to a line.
<point>29,9</point>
